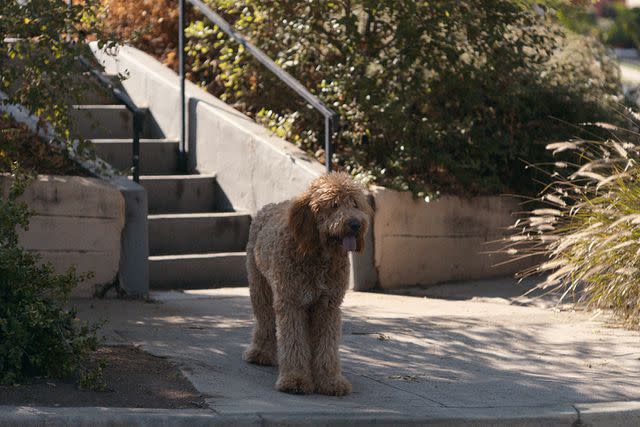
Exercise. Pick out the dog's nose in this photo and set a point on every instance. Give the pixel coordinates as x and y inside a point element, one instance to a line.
<point>354,224</point>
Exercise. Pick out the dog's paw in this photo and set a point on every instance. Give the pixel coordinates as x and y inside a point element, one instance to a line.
<point>338,386</point>
<point>259,357</point>
<point>295,384</point>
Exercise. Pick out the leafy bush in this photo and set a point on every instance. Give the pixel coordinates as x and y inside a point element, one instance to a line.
<point>624,28</point>
<point>433,95</point>
<point>616,25</point>
<point>579,18</point>
<point>38,71</point>
<point>152,25</point>
<point>38,336</point>
<point>19,145</point>
<point>38,55</point>
<point>588,224</point>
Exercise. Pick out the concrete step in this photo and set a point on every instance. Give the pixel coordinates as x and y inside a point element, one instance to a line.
<point>198,232</point>
<point>109,121</point>
<point>157,156</point>
<point>94,93</point>
<point>197,271</point>
<point>87,89</point>
<point>180,193</point>
<point>91,91</point>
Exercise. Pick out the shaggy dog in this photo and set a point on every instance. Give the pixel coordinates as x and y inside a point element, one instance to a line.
<point>298,274</point>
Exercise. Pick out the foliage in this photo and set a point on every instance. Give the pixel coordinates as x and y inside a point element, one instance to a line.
<point>94,379</point>
<point>578,18</point>
<point>624,30</point>
<point>432,95</point>
<point>19,144</point>
<point>38,71</point>
<point>152,25</point>
<point>616,25</point>
<point>588,225</point>
<point>38,336</point>
<point>38,65</point>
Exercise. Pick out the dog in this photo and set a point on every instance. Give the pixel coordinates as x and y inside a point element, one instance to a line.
<point>298,272</point>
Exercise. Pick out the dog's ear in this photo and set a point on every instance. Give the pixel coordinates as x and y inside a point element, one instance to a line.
<point>303,225</point>
<point>367,205</point>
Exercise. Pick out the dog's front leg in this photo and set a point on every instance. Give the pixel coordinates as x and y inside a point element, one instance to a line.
<point>294,355</point>
<point>326,330</point>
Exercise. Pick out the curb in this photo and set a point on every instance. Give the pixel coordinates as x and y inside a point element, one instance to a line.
<point>583,414</point>
<point>27,416</point>
<point>609,413</point>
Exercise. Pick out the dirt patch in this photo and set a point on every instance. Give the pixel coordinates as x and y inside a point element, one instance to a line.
<point>133,378</point>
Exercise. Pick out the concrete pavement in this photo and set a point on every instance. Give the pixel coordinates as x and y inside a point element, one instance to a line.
<point>412,360</point>
<point>630,72</point>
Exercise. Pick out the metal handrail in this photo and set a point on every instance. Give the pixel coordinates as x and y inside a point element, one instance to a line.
<point>330,116</point>
<point>138,114</point>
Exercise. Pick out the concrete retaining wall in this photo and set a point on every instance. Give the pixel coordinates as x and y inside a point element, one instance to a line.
<point>418,243</point>
<point>77,221</point>
<point>133,273</point>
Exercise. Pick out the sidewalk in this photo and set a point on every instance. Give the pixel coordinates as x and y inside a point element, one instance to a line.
<point>630,72</point>
<point>411,360</point>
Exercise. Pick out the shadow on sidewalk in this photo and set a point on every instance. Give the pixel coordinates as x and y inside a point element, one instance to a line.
<point>506,289</point>
<point>515,356</point>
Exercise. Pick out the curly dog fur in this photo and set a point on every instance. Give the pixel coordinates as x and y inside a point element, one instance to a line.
<point>298,273</point>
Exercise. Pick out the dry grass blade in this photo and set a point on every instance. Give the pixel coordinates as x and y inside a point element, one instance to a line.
<point>589,230</point>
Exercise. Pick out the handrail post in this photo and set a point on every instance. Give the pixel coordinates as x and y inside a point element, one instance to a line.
<point>328,147</point>
<point>330,116</point>
<point>138,120</point>
<point>182,156</point>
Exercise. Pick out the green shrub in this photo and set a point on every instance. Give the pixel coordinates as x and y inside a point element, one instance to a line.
<point>625,31</point>
<point>446,95</point>
<point>152,25</point>
<point>38,55</point>
<point>38,335</point>
<point>588,225</point>
<point>38,70</point>
<point>616,24</point>
<point>579,19</point>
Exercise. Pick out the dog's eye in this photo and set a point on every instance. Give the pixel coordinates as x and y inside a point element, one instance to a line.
<point>334,204</point>
<point>355,205</point>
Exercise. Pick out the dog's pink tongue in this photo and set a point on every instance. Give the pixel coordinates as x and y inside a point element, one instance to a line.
<point>349,243</point>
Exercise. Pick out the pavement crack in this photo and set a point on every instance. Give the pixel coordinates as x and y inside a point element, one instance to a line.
<point>261,419</point>
<point>209,407</point>
<point>578,421</point>
<point>403,390</point>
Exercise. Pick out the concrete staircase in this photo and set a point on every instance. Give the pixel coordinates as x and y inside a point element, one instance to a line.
<point>192,242</point>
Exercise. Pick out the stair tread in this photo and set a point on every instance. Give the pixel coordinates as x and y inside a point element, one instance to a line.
<point>109,121</point>
<point>201,232</point>
<point>158,156</point>
<point>130,140</point>
<point>197,215</point>
<point>103,107</point>
<point>197,271</point>
<point>196,256</point>
<point>177,176</point>
<point>180,193</point>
